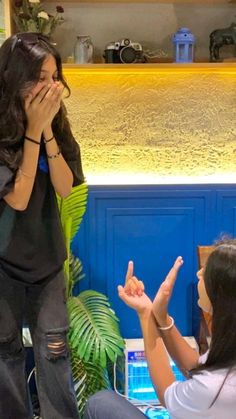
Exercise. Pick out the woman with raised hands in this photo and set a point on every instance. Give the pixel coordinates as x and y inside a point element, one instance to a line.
<point>210,389</point>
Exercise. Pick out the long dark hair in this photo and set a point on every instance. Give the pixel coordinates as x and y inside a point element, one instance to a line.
<point>220,284</point>
<point>21,59</point>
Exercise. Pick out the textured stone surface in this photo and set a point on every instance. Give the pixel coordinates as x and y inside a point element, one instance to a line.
<point>161,124</point>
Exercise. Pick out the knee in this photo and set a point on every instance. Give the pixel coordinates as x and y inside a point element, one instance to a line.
<point>56,345</point>
<point>11,346</point>
<point>97,404</point>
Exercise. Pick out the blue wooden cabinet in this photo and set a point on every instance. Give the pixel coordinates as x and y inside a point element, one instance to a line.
<point>151,225</point>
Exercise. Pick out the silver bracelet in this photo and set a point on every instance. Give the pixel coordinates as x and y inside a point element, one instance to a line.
<point>168,327</point>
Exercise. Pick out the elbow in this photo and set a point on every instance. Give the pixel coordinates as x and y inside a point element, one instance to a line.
<point>65,193</point>
<point>162,400</point>
<point>17,205</point>
<point>20,206</point>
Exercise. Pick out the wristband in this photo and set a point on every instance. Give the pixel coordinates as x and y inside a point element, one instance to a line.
<point>32,140</point>
<point>54,156</point>
<point>47,141</point>
<point>168,327</point>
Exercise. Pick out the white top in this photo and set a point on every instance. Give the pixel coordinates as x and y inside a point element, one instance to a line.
<point>191,399</point>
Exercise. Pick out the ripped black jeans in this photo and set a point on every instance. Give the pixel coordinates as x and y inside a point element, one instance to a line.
<point>44,308</point>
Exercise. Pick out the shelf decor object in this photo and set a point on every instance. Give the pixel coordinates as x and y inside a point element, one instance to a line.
<point>184,41</point>
<point>30,16</point>
<point>221,37</point>
<point>83,51</point>
<point>207,2</point>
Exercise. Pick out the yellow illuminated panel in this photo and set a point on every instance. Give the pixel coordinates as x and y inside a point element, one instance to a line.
<point>154,123</point>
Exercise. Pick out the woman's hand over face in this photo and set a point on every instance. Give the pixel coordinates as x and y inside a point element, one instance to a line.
<point>161,301</point>
<point>41,109</point>
<point>133,292</point>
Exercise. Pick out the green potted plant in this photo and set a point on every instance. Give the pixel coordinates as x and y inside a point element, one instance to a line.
<point>30,16</point>
<point>94,335</point>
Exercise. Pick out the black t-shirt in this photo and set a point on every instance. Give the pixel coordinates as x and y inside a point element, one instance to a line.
<point>32,245</point>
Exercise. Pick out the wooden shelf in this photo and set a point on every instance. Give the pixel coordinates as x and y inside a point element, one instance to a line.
<point>152,68</point>
<point>206,2</point>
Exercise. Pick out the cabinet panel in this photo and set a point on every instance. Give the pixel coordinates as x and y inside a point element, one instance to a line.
<point>145,235</point>
<point>226,212</point>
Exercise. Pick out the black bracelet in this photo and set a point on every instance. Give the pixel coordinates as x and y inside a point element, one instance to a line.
<point>47,141</point>
<point>32,140</point>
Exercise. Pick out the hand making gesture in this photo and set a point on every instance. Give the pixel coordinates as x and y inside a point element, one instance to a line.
<point>161,301</point>
<point>134,296</point>
<point>133,292</point>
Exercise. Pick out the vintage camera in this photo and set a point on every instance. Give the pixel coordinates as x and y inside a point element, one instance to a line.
<point>124,51</point>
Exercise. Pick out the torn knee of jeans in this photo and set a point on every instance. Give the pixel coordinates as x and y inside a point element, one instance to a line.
<point>56,345</point>
<point>11,346</point>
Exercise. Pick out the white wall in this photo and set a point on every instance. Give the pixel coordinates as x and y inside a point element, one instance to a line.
<point>2,25</point>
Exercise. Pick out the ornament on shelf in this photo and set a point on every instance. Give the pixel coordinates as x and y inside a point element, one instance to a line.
<point>219,38</point>
<point>157,55</point>
<point>184,41</point>
<point>30,16</point>
<point>83,53</point>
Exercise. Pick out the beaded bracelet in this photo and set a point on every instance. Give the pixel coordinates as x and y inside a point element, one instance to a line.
<point>32,140</point>
<point>54,156</point>
<point>168,327</point>
<point>47,141</point>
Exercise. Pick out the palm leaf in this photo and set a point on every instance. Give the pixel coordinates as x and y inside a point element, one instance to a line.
<point>72,209</point>
<point>94,332</point>
<point>94,336</point>
<point>75,273</point>
<point>88,379</point>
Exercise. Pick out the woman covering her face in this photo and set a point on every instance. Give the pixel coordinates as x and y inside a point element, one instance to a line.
<point>39,157</point>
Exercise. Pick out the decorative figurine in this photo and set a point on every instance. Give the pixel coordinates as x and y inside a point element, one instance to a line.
<point>220,37</point>
<point>184,42</point>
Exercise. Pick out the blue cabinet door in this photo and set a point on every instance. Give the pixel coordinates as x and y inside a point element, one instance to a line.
<point>151,225</point>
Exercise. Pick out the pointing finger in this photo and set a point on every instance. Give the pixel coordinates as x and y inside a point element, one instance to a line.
<point>130,271</point>
<point>172,275</point>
